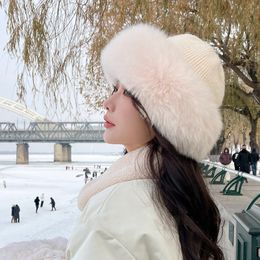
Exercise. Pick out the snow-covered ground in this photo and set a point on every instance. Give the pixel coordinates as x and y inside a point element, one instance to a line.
<point>25,182</point>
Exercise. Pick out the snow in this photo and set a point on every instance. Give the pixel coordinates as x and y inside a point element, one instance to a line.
<point>41,175</point>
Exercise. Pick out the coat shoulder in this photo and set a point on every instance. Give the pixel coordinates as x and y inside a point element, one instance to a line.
<point>126,211</point>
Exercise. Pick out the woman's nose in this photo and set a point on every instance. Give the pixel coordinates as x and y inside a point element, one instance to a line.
<point>107,104</point>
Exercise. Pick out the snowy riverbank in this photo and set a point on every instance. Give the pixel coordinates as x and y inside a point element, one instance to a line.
<point>25,182</point>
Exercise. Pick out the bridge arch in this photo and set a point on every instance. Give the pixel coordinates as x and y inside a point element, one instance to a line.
<point>21,110</point>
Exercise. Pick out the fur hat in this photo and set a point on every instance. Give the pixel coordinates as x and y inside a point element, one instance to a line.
<point>179,80</point>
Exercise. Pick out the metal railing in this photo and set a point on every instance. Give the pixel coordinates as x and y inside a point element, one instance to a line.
<point>234,186</point>
<point>238,173</point>
<point>66,132</point>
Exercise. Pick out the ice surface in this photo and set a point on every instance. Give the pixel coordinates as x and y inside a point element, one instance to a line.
<point>25,182</point>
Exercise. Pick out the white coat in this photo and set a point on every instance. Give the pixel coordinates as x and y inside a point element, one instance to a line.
<point>119,220</point>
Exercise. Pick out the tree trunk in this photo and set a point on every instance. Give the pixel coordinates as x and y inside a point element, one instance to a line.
<point>236,141</point>
<point>244,136</point>
<point>252,134</point>
<point>219,144</point>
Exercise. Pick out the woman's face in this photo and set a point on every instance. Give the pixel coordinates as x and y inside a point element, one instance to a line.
<point>123,122</point>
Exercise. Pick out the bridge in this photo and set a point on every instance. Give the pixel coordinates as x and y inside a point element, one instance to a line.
<point>21,110</point>
<point>43,130</point>
<point>60,133</point>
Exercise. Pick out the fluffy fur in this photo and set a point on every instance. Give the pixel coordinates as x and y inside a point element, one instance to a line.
<point>179,102</point>
<point>121,171</point>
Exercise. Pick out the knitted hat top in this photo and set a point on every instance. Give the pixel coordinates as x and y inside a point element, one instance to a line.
<point>179,80</point>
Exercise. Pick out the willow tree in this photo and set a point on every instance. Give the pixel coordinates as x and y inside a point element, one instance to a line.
<point>238,98</point>
<point>59,41</point>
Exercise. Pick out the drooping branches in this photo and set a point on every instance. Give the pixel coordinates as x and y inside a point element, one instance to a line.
<point>59,41</point>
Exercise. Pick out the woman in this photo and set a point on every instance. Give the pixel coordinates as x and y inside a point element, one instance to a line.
<point>152,203</point>
<point>225,157</point>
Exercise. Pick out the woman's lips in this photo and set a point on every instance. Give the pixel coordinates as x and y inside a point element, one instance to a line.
<point>108,124</point>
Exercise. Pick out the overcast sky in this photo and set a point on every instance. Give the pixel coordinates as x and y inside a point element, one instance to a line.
<point>8,72</point>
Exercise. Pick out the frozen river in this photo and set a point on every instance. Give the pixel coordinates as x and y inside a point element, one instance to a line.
<point>25,182</point>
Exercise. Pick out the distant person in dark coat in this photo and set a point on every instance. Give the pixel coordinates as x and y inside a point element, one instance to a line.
<point>37,202</point>
<point>87,171</point>
<point>254,160</point>
<point>94,174</point>
<point>13,219</point>
<point>225,157</point>
<point>244,160</point>
<point>42,199</point>
<point>52,204</point>
<point>235,160</point>
<point>17,213</point>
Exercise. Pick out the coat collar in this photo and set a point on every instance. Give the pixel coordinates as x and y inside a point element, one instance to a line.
<point>129,167</point>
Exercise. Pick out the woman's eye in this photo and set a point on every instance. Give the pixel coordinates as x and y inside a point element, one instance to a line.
<point>127,93</point>
<point>114,90</point>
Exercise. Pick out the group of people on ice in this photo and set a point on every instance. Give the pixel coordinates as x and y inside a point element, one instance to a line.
<point>90,176</point>
<point>15,209</point>
<point>39,202</point>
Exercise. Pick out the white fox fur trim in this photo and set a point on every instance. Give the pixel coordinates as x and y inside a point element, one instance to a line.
<point>168,81</point>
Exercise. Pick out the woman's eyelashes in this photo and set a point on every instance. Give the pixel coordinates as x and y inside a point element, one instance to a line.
<point>125,92</point>
<point>114,90</point>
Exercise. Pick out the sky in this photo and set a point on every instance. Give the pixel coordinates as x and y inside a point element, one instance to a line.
<point>8,71</point>
<point>8,86</point>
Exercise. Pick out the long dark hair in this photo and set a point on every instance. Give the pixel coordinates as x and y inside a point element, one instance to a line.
<point>181,193</point>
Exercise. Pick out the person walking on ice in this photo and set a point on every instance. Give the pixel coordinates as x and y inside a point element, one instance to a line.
<point>86,173</point>
<point>13,219</point>
<point>42,200</point>
<point>36,202</point>
<point>153,203</point>
<point>17,213</point>
<point>52,204</point>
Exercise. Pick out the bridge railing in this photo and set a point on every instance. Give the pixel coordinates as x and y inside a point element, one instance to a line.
<point>53,132</point>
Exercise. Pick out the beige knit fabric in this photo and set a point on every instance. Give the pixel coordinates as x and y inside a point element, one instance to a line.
<point>203,60</point>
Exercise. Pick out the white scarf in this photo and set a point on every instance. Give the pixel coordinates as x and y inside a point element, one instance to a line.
<point>129,167</point>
